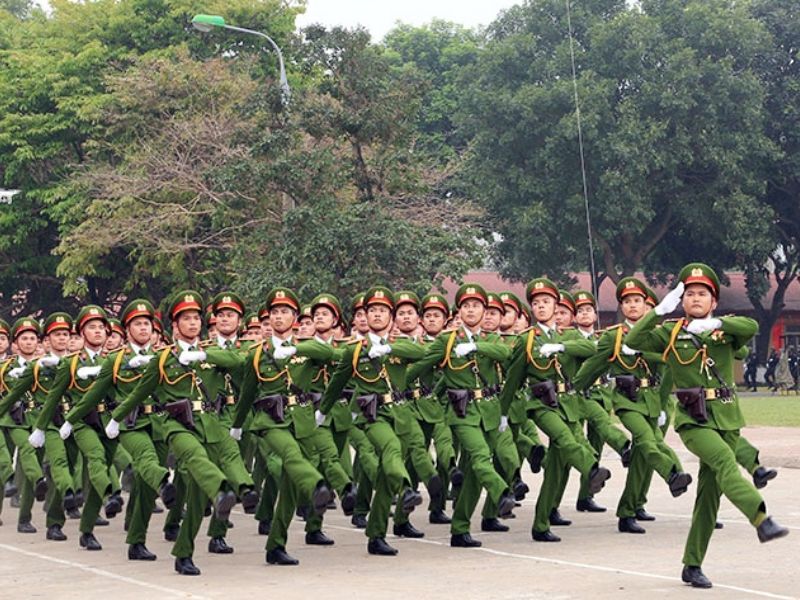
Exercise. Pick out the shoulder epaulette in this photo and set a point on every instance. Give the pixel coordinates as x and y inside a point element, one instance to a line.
<point>451,330</point>
<point>304,338</point>
<point>206,343</point>
<point>527,329</point>
<point>355,341</point>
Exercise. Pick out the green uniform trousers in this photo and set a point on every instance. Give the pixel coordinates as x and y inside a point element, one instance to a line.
<point>392,475</point>
<point>719,474</point>
<point>149,473</point>
<point>649,453</point>
<point>600,431</point>
<point>228,457</point>
<point>507,461</point>
<point>419,461</point>
<point>477,448</point>
<point>99,457</point>
<point>297,482</point>
<point>29,460</point>
<point>568,448</point>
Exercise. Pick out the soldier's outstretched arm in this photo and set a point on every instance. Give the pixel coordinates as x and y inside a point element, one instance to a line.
<point>146,386</point>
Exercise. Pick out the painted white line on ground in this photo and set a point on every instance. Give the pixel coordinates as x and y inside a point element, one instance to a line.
<point>733,521</point>
<point>588,566</point>
<point>103,573</point>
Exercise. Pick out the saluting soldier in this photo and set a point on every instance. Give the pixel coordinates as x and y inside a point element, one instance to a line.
<point>20,410</point>
<point>377,366</point>
<point>275,370</point>
<point>172,386</point>
<point>544,358</point>
<point>468,359</point>
<point>637,403</point>
<point>698,349</point>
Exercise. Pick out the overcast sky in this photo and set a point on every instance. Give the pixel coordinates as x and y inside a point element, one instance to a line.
<point>379,16</point>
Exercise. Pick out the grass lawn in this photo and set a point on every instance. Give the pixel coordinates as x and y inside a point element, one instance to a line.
<point>773,411</point>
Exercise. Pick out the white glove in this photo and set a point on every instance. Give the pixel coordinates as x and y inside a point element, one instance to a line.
<point>140,360</point>
<point>36,438</point>
<point>378,350</point>
<point>88,372</point>
<point>503,424</point>
<point>662,418</point>
<point>628,351</point>
<point>236,433</point>
<point>465,348</point>
<point>112,429</point>
<point>548,349</point>
<point>702,325</point>
<point>49,360</point>
<point>188,357</point>
<point>16,372</point>
<point>66,430</point>
<point>319,418</point>
<point>284,352</point>
<point>670,302</point>
<point>354,416</point>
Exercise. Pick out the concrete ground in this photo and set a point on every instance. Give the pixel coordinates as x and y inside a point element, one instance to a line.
<point>593,560</point>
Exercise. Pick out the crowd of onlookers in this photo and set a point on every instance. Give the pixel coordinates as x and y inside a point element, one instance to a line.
<point>781,373</point>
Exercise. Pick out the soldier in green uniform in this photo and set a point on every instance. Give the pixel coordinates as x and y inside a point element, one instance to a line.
<point>18,419</point>
<point>140,434</point>
<point>377,366</point>
<point>544,358</point>
<point>435,310</point>
<point>408,418</point>
<point>222,383</point>
<point>74,378</point>
<point>172,386</point>
<point>32,389</point>
<point>698,349</point>
<point>469,359</point>
<point>637,403</point>
<point>526,436</point>
<point>275,371</point>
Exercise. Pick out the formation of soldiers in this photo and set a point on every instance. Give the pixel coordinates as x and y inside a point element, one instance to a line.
<point>287,409</point>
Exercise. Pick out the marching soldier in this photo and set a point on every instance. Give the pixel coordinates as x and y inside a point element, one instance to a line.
<point>468,359</point>
<point>172,386</point>
<point>275,371</point>
<point>637,403</point>
<point>139,434</point>
<point>20,411</point>
<point>545,357</point>
<point>698,349</point>
<point>378,367</point>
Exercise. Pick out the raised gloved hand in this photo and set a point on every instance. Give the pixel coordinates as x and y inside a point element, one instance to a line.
<point>628,351</point>
<point>662,418</point>
<point>16,372</point>
<point>140,360</point>
<point>49,360</point>
<point>671,301</point>
<point>702,325</point>
<point>354,416</point>
<point>465,348</point>
<point>188,357</point>
<point>65,430</point>
<point>548,349</point>
<point>284,352</point>
<point>36,438</point>
<point>319,418</point>
<point>112,429</point>
<point>236,433</point>
<point>88,372</point>
<point>503,424</point>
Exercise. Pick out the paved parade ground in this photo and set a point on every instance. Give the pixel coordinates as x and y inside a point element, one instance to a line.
<point>592,561</point>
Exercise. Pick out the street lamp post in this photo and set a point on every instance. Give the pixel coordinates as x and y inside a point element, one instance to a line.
<point>205,23</point>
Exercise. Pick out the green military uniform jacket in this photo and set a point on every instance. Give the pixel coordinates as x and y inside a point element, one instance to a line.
<point>30,389</point>
<point>689,365</point>
<point>266,376</point>
<point>527,364</point>
<point>115,382</point>
<point>68,389</point>
<point>166,380</point>
<point>475,371</point>
<point>609,360</point>
<point>382,375</point>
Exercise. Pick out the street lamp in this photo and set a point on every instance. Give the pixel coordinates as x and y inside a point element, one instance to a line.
<point>205,23</point>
